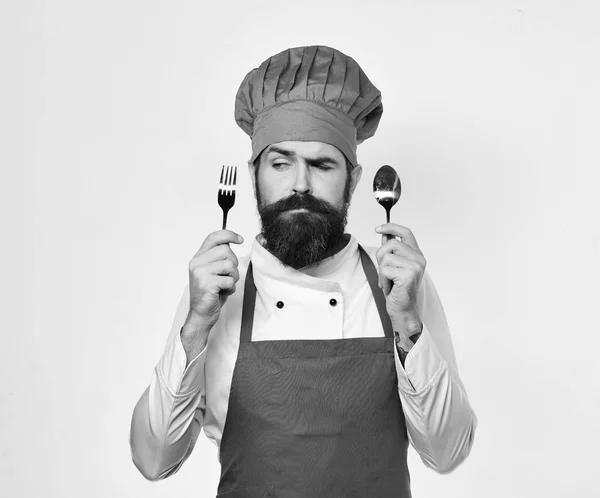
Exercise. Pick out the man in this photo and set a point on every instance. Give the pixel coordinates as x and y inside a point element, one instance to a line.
<point>313,377</point>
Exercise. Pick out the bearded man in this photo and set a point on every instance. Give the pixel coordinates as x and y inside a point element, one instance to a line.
<point>313,379</point>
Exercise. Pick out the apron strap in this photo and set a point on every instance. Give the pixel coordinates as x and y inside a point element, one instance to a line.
<point>249,300</point>
<point>373,279</point>
<point>248,306</point>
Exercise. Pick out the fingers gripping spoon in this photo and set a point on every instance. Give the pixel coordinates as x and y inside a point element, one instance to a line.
<point>387,190</point>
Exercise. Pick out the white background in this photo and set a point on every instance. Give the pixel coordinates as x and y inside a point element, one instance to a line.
<point>116,117</point>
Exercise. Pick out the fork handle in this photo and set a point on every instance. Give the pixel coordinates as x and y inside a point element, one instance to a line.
<point>225,218</point>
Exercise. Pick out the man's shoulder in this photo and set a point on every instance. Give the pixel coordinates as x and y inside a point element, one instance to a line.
<point>243,261</point>
<point>370,250</point>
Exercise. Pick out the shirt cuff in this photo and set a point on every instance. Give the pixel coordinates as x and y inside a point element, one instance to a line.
<point>179,379</point>
<point>422,364</point>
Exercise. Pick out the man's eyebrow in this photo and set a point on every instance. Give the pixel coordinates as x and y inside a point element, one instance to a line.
<point>283,152</point>
<point>322,160</point>
<point>291,154</point>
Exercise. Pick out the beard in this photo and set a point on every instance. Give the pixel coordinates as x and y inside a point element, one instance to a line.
<point>303,238</point>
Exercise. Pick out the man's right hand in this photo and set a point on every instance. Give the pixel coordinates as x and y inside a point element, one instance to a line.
<point>213,273</point>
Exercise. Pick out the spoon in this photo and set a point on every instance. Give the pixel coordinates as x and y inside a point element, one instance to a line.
<point>387,190</point>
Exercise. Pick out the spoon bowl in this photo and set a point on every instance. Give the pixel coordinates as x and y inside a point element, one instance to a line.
<point>387,189</point>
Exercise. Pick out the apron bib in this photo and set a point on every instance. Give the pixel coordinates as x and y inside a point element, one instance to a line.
<point>315,418</point>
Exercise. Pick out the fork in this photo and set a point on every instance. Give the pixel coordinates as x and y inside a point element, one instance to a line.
<point>226,197</point>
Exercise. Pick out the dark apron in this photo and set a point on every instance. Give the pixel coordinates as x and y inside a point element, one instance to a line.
<point>315,418</point>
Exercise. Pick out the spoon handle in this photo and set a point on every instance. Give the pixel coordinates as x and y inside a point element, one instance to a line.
<point>385,237</point>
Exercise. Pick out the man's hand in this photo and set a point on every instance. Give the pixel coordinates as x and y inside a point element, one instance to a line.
<point>213,273</point>
<point>401,268</point>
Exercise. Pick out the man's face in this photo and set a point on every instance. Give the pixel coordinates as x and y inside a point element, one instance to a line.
<point>303,190</point>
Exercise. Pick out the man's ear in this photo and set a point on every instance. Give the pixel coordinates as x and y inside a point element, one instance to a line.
<point>252,171</point>
<point>356,175</point>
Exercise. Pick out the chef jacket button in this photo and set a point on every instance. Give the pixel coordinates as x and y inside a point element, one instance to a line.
<point>280,304</point>
<point>333,302</point>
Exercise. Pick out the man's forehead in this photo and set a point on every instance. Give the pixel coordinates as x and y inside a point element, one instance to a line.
<point>306,150</point>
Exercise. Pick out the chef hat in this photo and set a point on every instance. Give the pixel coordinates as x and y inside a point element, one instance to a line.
<point>308,94</point>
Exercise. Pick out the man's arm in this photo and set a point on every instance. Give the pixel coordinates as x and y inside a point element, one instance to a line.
<point>440,421</point>
<point>169,415</point>
<point>404,346</point>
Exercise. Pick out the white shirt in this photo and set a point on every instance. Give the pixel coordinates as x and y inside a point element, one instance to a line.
<point>181,400</point>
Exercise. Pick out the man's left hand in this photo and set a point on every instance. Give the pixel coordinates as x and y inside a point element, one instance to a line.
<point>401,268</point>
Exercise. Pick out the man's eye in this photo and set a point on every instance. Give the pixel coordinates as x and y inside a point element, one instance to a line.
<point>279,165</point>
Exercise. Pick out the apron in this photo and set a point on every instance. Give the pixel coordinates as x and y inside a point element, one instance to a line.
<point>315,418</point>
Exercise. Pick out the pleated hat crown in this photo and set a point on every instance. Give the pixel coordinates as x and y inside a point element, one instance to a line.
<point>314,93</point>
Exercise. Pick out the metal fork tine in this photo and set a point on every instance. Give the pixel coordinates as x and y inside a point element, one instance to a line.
<point>228,182</point>
<point>232,179</point>
<point>226,195</point>
<point>221,180</point>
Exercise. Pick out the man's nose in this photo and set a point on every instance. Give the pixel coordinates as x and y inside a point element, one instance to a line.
<point>302,181</point>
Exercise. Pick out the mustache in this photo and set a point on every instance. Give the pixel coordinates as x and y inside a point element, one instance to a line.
<point>301,201</point>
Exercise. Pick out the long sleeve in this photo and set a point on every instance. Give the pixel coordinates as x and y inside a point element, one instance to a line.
<point>169,415</point>
<point>440,421</point>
